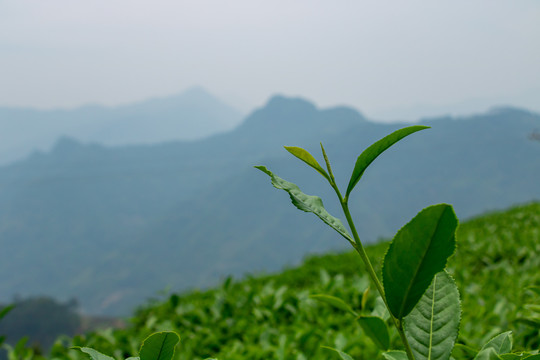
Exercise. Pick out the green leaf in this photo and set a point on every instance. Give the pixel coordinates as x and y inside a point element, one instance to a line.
<point>376,149</point>
<point>94,354</point>
<point>395,355</point>
<point>5,310</point>
<point>432,326</point>
<point>308,159</point>
<point>307,203</point>
<point>376,329</point>
<point>159,346</point>
<point>501,343</point>
<point>341,354</point>
<point>487,354</point>
<point>419,250</point>
<point>334,301</point>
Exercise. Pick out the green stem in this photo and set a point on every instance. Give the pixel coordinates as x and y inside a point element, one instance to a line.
<point>371,271</point>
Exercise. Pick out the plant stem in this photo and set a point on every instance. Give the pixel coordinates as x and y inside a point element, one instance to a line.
<point>371,271</point>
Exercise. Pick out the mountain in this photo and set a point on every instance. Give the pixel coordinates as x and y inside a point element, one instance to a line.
<point>192,115</point>
<point>113,225</point>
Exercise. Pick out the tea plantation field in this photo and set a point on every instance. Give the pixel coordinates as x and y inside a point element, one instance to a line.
<point>496,267</point>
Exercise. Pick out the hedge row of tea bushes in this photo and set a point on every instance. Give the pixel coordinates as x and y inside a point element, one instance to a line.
<point>496,268</point>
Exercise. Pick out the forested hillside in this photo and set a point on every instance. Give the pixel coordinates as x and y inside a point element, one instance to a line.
<point>93,220</point>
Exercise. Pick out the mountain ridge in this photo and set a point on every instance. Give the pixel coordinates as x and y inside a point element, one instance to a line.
<point>191,115</point>
<point>204,212</point>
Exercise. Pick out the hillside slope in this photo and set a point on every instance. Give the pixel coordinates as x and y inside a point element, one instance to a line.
<point>273,317</point>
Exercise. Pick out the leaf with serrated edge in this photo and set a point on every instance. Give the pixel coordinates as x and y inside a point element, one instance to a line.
<point>432,326</point>
<point>342,355</point>
<point>487,354</point>
<point>334,301</point>
<point>419,250</point>
<point>376,329</point>
<point>306,157</point>
<point>159,346</point>
<point>307,203</point>
<point>501,343</point>
<point>395,355</point>
<point>94,354</point>
<point>372,152</point>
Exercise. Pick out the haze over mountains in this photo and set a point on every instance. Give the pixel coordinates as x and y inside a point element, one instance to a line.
<point>114,225</point>
<point>193,114</point>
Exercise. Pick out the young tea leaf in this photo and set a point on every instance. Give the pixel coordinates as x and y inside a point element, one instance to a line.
<point>501,343</point>
<point>342,355</point>
<point>372,152</point>
<point>432,326</point>
<point>376,329</point>
<point>418,252</point>
<point>306,157</point>
<point>159,346</point>
<point>395,355</point>
<point>365,296</point>
<point>307,203</point>
<point>335,302</point>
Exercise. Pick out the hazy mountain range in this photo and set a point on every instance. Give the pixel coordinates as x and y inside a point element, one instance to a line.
<point>191,115</point>
<point>114,225</point>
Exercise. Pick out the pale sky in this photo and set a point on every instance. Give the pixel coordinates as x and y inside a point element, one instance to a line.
<point>382,57</point>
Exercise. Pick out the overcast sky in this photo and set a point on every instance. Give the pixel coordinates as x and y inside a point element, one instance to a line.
<point>382,57</point>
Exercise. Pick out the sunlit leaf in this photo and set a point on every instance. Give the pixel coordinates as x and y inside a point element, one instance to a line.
<point>306,157</point>
<point>372,152</point>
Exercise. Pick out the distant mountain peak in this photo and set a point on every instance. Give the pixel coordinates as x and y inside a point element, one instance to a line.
<point>282,101</point>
